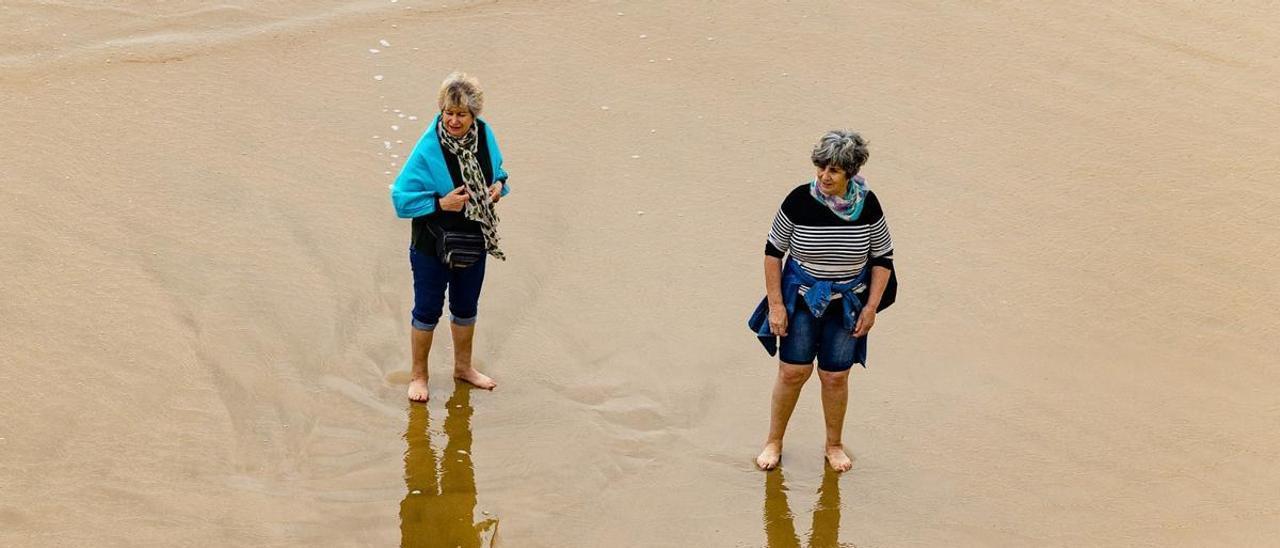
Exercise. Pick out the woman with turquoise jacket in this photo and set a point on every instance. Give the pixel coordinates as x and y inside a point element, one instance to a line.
<point>449,186</point>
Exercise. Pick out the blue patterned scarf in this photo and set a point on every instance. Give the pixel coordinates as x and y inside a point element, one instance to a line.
<point>847,207</point>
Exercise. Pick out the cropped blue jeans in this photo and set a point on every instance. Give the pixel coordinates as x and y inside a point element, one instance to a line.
<point>431,278</point>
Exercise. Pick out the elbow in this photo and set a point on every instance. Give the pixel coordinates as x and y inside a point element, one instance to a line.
<point>884,259</point>
<point>885,263</point>
<point>404,210</point>
<point>398,202</point>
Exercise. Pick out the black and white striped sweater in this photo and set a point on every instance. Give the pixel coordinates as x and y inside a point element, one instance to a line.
<point>825,245</point>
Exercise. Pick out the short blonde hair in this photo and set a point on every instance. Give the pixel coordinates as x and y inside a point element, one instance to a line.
<point>461,89</point>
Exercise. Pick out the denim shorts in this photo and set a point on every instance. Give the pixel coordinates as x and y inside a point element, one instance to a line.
<point>823,338</point>
<point>430,279</point>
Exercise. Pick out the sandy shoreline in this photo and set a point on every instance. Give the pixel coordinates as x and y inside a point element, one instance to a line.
<point>205,293</point>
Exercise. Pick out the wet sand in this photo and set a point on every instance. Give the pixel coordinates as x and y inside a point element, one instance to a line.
<point>204,296</point>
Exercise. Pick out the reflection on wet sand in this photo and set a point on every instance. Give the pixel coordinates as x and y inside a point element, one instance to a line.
<point>439,509</point>
<point>779,524</point>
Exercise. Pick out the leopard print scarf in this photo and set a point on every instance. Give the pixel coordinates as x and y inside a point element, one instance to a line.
<point>479,205</point>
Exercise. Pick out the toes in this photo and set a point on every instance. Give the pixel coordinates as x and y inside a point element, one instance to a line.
<point>479,380</point>
<point>840,463</point>
<point>767,462</point>
<point>418,395</point>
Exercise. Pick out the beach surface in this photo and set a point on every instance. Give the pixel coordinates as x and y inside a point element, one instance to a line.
<point>205,293</point>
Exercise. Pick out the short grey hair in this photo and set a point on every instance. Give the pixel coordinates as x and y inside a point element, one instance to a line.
<point>461,90</point>
<point>842,148</point>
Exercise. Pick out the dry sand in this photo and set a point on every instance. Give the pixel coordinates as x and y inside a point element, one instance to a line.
<point>204,293</point>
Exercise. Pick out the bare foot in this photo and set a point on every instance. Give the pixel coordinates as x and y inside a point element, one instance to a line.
<point>418,390</point>
<point>770,456</point>
<point>480,380</point>
<point>838,459</point>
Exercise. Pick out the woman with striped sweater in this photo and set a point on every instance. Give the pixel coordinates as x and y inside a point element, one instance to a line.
<point>828,261</point>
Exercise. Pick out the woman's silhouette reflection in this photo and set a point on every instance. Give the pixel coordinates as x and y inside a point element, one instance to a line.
<point>439,509</point>
<point>779,524</point>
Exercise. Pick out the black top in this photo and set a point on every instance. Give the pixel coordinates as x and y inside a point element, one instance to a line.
<point>453,221</point>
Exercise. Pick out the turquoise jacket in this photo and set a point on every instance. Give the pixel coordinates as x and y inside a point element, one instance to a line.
<point>425,177</point>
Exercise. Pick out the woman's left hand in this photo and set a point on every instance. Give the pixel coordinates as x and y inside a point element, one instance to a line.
<point>865,320</point>
<point>495,192</point>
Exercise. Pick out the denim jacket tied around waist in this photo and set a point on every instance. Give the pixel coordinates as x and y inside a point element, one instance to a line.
<point>818,298</point>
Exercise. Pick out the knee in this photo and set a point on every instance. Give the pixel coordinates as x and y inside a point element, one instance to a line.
<point>834,380</point>
<point>428,304</point>
<point>420,326</point>
<point>464,307</point>
<point>794,375</point>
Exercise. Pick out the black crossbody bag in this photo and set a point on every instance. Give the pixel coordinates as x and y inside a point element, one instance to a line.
<point>457,249</point>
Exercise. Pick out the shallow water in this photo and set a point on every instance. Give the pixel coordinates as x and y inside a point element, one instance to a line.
<point>780,523</point>
<point>440,506</point>
<point>204,293</point>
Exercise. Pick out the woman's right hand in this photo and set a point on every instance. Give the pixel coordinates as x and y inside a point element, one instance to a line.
<point>778,320</point>
<point>454,201</point>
